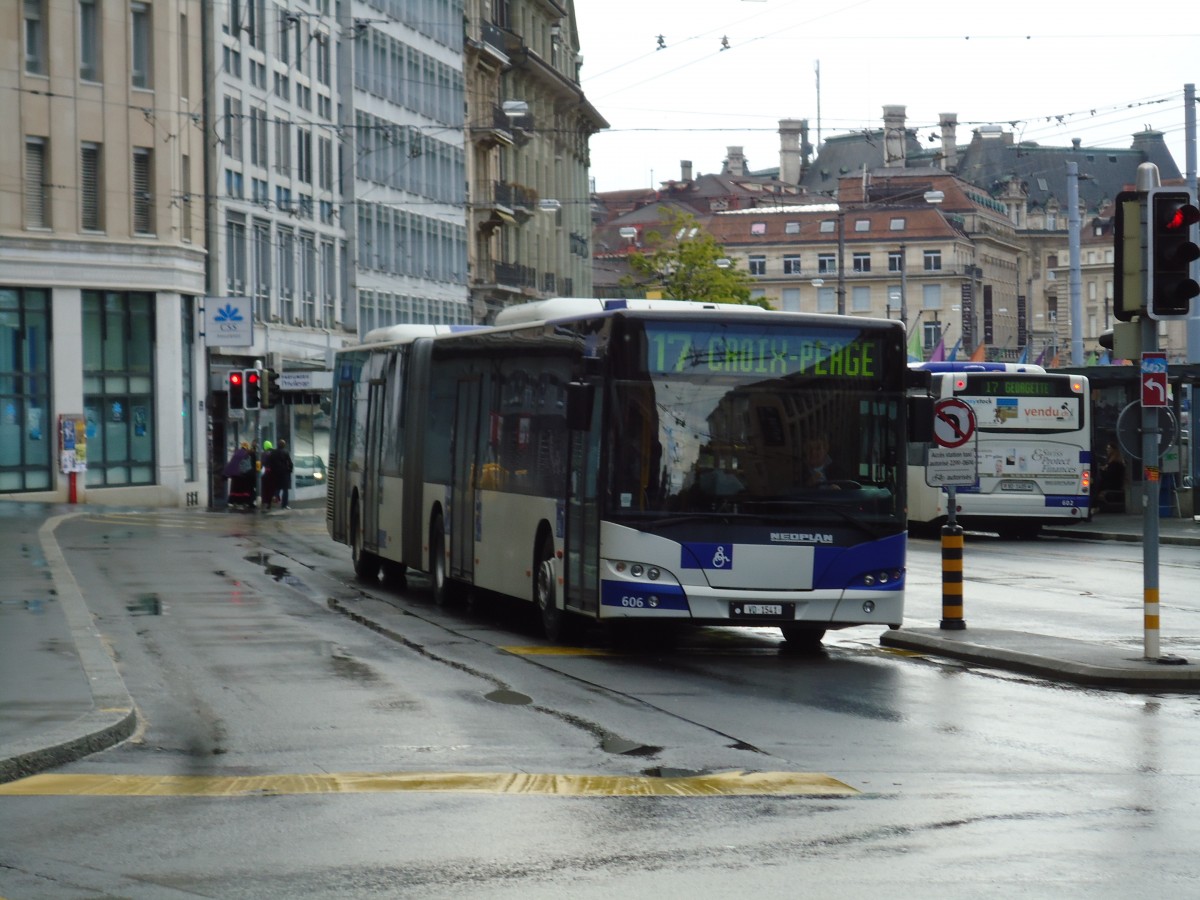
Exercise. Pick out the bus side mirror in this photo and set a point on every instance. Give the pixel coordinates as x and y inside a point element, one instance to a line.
<point>580,399</point>
<point>920,418</point>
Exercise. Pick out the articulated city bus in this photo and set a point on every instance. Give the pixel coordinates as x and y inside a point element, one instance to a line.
<point>633,461</point>
<point>1034,447</point>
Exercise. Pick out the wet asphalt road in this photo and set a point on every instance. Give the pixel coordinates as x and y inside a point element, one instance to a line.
<point>243,642</point>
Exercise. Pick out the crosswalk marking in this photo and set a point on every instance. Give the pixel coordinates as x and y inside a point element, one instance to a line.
<point>720,784</point>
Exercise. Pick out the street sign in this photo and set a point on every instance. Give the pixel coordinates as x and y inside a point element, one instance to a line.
<point>953,423</point>
<point>951,467</point>
<point>1154,379</point>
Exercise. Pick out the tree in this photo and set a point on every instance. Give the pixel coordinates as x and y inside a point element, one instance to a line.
<point>681,260</point>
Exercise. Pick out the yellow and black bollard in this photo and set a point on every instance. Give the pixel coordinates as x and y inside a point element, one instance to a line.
<point>952,578</point>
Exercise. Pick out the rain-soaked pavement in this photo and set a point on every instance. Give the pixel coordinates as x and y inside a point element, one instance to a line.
<point>303,735</point>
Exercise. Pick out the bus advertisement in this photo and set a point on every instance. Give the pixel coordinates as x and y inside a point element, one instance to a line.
<point>1034,449</point>
<point>634,462</point>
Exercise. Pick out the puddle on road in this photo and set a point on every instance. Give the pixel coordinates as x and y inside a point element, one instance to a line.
<point>145,605</point>
<point>281,574</point>
<point>509,698</point>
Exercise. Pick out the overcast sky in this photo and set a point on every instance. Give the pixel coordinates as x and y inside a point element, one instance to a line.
<point>1049,70</point>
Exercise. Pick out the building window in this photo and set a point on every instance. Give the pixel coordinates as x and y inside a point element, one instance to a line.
<point>308,279</point>
<point>826,300</point>
<point>931,296</point>
<point>828,226</point>
<point>90,188</point>
<point>791,265</point>
<point>258,137</point>
<point>185,212</point>
<point>141,56</point>
<point>896,224</point>
<point>328,283</point>
<point>143,196</point>
<point>233,127</point>
<point>26,436</point>
<point>862,224</point>
<point>283,146</point>
<point>235,256</point>
<point>860,298</point>
<point>304,155</point>
<point>185,73</point>
<point>35,37</point>
<point>118,387</point>
<point>287,274</point>
<point>862,262</point>
<point>791,228</point>
<point>758,227</point>
<point>933,260</point>
<point>826,264</point>
<point>895,261</point>
<point>262,270</point>
<point>325,163</point>
<point>758,265</point>
<point>89,41</point>
<point>187,337</point>
<point>791,299</point>
<point>37,192</point>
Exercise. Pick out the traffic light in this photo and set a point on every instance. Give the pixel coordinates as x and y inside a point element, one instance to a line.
<point>1129,285</point>
<point>1171,251</point>
<point>253,388</point>
<point>237,389</point>
<point>270,389</point>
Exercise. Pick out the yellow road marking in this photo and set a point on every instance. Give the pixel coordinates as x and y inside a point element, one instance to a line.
<point>721,784</point>
<point>557,651</point>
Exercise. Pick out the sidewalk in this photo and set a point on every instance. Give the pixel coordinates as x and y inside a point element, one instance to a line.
<point>61,696</point>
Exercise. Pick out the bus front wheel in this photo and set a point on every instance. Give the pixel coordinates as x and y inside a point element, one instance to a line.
<point>803,637</point>
<point>557,623</point>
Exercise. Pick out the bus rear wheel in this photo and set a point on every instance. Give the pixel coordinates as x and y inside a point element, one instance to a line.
<point>445,589</point>
<point>803,637</point>
<point>366,563</point>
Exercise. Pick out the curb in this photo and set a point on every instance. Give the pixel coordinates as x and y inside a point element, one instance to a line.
<point>113,717</point>
<point>1137,674</point>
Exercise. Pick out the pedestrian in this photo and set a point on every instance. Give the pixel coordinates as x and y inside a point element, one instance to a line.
<point>283,460</point>
<point>270,486</point>
<point>242,472</point>
<point>1111,483</point>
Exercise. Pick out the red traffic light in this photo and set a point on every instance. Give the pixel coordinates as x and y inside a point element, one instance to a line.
<point>1181,218</point>
<point>235,378</point>
<point>252,378</point>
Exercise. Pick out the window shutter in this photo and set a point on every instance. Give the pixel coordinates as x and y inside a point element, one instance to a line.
<point>89,187</point>
<point>35,185</point>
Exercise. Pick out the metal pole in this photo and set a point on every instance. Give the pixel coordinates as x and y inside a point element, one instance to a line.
<point>841,260</point>
<point>1073,226</point>
<point>903,290</point>
<point>1151,490</point>
<point>1189,136</point>
<point>952,568</point>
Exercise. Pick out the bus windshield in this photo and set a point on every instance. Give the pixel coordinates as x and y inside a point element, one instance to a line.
<point>744,419</point>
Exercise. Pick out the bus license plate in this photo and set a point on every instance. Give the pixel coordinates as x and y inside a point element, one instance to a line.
<point>1024,487</point>
<point>762,610</point>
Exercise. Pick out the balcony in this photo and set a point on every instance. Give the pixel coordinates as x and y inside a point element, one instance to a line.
<point>493,129</point>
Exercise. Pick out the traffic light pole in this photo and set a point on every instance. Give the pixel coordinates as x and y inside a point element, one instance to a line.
<point>1151,489</point>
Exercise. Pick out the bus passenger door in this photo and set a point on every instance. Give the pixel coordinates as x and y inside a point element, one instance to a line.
<point>372,455</point>
<point>583,516</point>
<point>463,444</point>
<point>341,458</point>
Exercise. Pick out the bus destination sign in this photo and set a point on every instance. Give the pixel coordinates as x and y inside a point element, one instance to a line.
<point>761,354</point>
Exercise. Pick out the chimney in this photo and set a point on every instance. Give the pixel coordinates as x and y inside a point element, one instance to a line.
<point>895,141</point>
<point>685,170</point>
<point>735,162</point>
<point>949,122</point>
<point>789,150</point>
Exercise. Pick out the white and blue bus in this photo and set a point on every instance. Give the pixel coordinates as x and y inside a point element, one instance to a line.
<point>1034,446</point>
<point>632,461</point>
